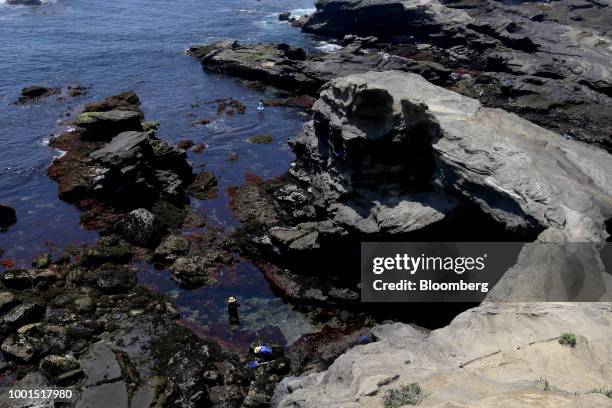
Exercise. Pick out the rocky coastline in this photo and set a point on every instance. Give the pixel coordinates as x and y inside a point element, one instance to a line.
<point>408,142</point>
<point>428,118</point>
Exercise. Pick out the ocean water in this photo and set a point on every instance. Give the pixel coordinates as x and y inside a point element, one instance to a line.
<point>116,45</point>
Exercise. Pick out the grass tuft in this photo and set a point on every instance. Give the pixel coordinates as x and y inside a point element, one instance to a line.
<point>411,394</point>
<point>568,339</point>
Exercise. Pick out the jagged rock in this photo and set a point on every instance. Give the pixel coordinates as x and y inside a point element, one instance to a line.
<point>33,341</point>
<point>520,181</point>
<point>492,355</point>
<point>142,228</point>
<point>172,247</point>
<point>288,67</point>
<point>20,315</point>
<point>545,59</point>
<point>103,126</point>
<point>8,217</point>
<point>124,149</point>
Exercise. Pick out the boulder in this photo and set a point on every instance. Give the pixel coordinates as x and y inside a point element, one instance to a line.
<point>54,366</point>
<point>142,228</point>
<point>128,100</point>
<point>17,279</point>
<point>7,300</point>
<point>8,217</point>
<point>199,270</point>
<point>20,315</point>
<point>115,253</point>
<point>103,126</point>
<point>113,279</point>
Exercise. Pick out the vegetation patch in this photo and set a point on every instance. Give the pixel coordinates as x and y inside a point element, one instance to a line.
<point>605,391</point>
<point>411,394</point>
<point>260,139</point>
<point>568,339</point>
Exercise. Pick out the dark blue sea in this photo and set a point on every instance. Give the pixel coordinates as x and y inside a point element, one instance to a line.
<point>116,45</point>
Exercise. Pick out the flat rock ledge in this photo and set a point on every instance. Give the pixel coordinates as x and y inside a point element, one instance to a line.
<point>495,355</point>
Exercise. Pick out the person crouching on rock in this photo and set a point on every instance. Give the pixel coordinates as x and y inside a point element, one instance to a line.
<point>232,312</point>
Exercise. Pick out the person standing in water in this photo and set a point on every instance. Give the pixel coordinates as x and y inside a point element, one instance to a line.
<point>260,107</point>
<point>232,312</point>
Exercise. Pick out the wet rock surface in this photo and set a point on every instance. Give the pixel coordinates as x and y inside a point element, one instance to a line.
<point>34,92</point>
<point>8,217</point>
<point>114,343</point>
<point>548,62</point>
<point>125,179</point>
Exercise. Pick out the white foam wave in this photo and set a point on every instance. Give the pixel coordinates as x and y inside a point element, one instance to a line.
<point>328,47</point>
<point>302,11</point>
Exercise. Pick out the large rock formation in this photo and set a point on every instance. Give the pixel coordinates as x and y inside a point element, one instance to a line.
<point>553,57</point>
<point>548,62</point>
<point>390,155</point>
<point>113,167</point>
<point>505,355</point>
<point>394,133</point>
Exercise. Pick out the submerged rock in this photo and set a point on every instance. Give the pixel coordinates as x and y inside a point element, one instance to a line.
<point>34,92</point>
<point>260,139</point>
<point>203,186</point>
